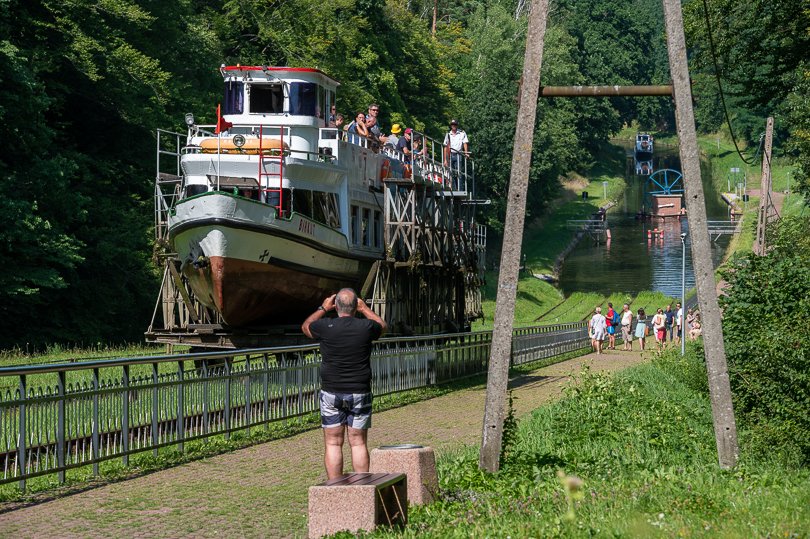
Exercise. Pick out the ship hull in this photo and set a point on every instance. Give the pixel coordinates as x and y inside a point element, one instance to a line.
<point>259,271</point>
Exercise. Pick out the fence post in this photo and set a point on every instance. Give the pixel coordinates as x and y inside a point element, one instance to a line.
<point>181,421</point>
<point>21,443</point>
<point>299,378</point>
<point>125,417</point>
<point>60,426</point>
<point>283,385</point>
<point>248,400</point>
<point>228,366</point>
<point>206,397</point>
<point>266,390</point>
<point>94,439</point>
<point>155,437</point>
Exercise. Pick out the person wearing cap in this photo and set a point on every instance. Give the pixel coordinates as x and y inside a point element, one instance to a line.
<point>455,144</point>
<point>393,138</point>
<point>404,144</point>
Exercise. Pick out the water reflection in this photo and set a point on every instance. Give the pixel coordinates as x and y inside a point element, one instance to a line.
<point>635,259</point>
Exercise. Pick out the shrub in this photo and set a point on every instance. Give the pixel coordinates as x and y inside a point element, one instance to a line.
<point>766,313</point>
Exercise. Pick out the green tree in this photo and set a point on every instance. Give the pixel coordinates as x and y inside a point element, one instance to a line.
<point>84,85</point>
<point>765,313</point>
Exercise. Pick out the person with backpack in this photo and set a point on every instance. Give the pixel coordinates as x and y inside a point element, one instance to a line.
<point>612,318</point>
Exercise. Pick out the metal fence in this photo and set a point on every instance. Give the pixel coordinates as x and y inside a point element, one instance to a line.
<point>57,417</point>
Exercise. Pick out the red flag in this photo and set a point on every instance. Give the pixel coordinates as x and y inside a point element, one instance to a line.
<point>222,125</point>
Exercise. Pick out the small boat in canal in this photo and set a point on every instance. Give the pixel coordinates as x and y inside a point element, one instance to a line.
<point>644,147</point>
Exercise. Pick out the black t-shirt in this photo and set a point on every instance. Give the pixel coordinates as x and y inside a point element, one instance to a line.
<point>670,316</point>
<point>346,352</point>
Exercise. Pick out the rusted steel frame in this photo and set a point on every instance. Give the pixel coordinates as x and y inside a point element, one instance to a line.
<point>664,90</point>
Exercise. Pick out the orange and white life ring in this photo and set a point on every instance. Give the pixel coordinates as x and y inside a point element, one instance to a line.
<point>385,169</point>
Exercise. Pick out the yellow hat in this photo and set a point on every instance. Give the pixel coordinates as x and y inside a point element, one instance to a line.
<point>396,129</point>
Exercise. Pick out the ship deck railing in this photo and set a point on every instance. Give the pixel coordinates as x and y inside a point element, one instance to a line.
<point>434,161</point>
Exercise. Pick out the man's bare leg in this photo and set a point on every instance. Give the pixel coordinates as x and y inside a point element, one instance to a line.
<point>358,440</point>
<point>333,451</point>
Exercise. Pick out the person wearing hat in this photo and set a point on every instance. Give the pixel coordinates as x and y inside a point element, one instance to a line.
<point>404,144</point>
<point>456,144</point>
<point>393,138</point>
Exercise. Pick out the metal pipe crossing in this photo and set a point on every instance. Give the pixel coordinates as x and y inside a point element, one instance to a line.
<point>606,91</point>
<point>63,416</point>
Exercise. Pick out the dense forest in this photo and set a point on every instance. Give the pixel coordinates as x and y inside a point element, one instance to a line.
<point>86,83</point>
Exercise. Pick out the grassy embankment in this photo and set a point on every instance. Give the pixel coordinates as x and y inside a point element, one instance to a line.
<point>539,302</point>
<point>547,237</point>
<point>631,455</point>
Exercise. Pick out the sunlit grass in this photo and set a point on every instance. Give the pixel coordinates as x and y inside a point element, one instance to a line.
<point>57,353</point>
<point>631,455</point>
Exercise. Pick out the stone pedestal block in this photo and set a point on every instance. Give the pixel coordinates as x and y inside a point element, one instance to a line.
<point>415,461</point>
<point>358,501</point>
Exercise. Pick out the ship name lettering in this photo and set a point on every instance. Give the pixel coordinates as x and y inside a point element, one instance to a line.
<point>306,227</point>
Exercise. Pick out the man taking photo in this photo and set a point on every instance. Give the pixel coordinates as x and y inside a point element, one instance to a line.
<point>345,376</point>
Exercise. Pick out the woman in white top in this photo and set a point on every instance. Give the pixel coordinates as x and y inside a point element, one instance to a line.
<point>659,326</point>
<point>597,328</point>
<point>627,322</point>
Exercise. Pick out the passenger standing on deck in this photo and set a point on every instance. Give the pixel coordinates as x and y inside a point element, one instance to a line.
<point>358,132</point>
<point>627,334</point>
<point>373,124</point>
<point>404,146</point>
<point>456,143</point>
<point>641,328</point>
<point>393,138</point>
<point>597,328</point>
<point>345,376</point>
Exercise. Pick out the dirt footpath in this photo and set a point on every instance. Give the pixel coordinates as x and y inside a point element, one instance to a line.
<point>261,491</point>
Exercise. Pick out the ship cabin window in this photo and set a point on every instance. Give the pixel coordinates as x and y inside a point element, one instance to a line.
<point>272,197</point>
<point>378,229</point>
<point>266,98</point>
<point>234,98</point>
<point>326,208</point>
<point>302,202</point>
<point>196,189</point>
<point>366,227</point>
<point>355,225</point>
<point>318,206</point>
<point>304,98</point>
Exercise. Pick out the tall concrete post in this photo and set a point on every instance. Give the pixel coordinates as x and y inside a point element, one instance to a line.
<point>765,191</point>
<point>498,374</point>
<point>725,428</point>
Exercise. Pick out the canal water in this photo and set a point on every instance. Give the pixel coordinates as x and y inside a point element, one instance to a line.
<point>630,262</point>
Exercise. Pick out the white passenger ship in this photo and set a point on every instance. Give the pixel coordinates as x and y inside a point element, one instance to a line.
<point>278,210</point>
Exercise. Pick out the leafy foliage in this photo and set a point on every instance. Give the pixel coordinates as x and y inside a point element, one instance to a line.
<point>765,324</point>
<point>631,455</point>
<point>761,51</point>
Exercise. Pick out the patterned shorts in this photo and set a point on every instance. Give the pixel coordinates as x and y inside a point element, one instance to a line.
<point>352,409</point>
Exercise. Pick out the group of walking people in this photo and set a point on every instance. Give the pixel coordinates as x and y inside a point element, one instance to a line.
<point>664,325</point>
